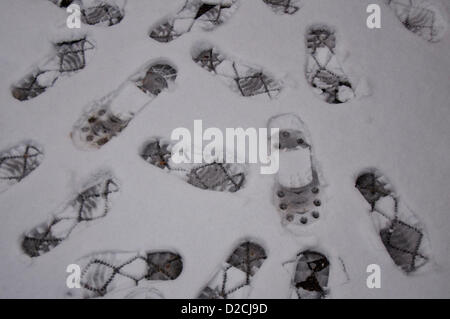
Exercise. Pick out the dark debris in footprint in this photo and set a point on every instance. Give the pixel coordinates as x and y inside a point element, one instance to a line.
<point>298,205</point>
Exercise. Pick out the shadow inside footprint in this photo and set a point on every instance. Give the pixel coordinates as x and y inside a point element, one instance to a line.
<point>299,191</point>
<point>62,3</point>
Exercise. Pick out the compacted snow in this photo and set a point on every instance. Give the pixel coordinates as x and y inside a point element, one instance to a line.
<point>395,119</point>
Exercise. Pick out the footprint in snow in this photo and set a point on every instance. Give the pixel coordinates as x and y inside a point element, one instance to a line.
<point>113,272</point>
<point>422,17</point>
<point>97,12</point>
<point>92,203</point>
<point>68,57</point>
<point>108,117</point>
<point>234,278</point>
<point>401,232</point>
<point>283,6</point>
<point>299,192</point>
<point>241,77</point>
<point>215,175</point>
<point>194,15</point>
<point>18,162</point>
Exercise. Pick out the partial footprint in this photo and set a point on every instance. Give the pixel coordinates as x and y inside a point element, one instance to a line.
<point>323,69</point>
<point>234,278</point>
<point>93,202</point>
<point>135,292</point>
<point>421,17</point>
<point>195,15</point>
<point>214,175</point>
<point>240,77</point>
<point>299,191</point>
<point>106,118</point>
<point>283,6</point>
<point>62,3</point>
<point>145,293</point>
<point>102,12</point>
<point>18,162</point>
<point>108,272</point>
<point>310,276</point>
<point>69,56</point>
<point>400,231</point>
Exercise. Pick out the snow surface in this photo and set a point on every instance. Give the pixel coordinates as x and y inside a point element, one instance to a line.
<point>401,128</point>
